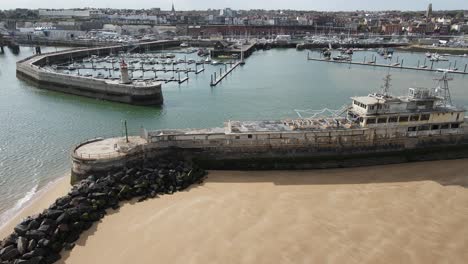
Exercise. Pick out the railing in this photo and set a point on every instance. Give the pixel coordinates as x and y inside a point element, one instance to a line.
<point>109,155</point>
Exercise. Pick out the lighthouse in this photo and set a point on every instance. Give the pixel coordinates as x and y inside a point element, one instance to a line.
<point>124,73</point>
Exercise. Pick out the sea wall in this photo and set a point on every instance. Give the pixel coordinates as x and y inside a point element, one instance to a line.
<point>91,87</point>
<point>331,151</point>
<point>32,69</point>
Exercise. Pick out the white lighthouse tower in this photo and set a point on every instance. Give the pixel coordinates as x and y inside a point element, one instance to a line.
<point>124,73</point>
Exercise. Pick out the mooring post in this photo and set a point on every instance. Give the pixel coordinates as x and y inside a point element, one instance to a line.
<point>215,76</point>
<point>402,63</point>
<point>225,67</point>
<point>398,58</point>
<point>455,65</point>
<point>307,54</point>
<point>211,79</point>
<point>220,72</point>
<point>432,64</point>
<point>418,63</point>
<point>465,69</point>
<point>450,65</point>
<point>179,76</point>
<point>126,131</point>
<point>364,59</point>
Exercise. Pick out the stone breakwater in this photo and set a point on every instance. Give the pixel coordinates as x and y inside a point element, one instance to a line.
<point>35,69</point>
<point>39,239</point>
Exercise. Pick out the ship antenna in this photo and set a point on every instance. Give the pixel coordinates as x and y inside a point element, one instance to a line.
<point>387,85</point>
<point>443,90</point>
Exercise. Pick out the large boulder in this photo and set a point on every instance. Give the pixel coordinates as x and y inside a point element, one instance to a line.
<point>21,229</point>
<point>32,245</point>
<point>35,234</point>
<point>9,253</point>
<point>22,245</point>
<point>34,224</point>
<point>53,214</point>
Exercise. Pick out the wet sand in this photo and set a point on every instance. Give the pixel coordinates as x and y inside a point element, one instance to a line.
<point>409,213</point>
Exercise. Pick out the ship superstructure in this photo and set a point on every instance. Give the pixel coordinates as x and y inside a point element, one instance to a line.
<point>422,109</point>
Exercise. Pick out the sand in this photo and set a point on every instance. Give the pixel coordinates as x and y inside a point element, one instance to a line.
<point>409,213</point>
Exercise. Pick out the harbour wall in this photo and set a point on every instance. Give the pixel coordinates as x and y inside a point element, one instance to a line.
<point>327,151</point>
<point>91,87</point>
<point>32,69</point>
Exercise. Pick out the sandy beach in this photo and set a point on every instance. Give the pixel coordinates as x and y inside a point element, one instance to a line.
<point>409,213</point>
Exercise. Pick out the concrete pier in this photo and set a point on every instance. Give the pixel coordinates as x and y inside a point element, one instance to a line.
<point>137,92</point>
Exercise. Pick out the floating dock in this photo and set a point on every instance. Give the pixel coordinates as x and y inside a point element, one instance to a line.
<point>395,66</point>
<point>215,80</point>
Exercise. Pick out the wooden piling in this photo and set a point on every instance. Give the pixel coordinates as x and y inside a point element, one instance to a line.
<point>418,63</point>
<point>465,68</point>
<point>432,65</point>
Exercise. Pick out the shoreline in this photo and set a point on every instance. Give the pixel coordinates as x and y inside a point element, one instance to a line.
<point>40,200</point>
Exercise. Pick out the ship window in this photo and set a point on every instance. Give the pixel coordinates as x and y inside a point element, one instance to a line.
<point>372,107</point>
<point>425,117</point>
<point>379,107</point>
<point>403,119</point>
<point>371,121</point>
<point>455,125</point>
<point>414,118</point>
<point>435,127</point>
<point>458,116</point>
<point>249,136</point>
<point>410,129</point>
<point>423,128</point>
<point>237,137</point>
<point>382,120</point>
<point>393,119</point>
<point>445,126</point>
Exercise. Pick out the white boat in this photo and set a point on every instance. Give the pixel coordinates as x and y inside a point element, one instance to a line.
<point>428,54</point>
<point>208,60</point>
<point>184,45</point>
<point>215,62</point>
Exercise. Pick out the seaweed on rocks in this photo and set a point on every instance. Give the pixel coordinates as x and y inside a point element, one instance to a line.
<point>39,239</point>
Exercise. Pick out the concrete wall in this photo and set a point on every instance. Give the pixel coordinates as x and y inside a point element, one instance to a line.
<point>333,149</point>
<point>31,69</point>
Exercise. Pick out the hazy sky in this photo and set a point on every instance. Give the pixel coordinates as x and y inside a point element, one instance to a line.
<point>332,5</point>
